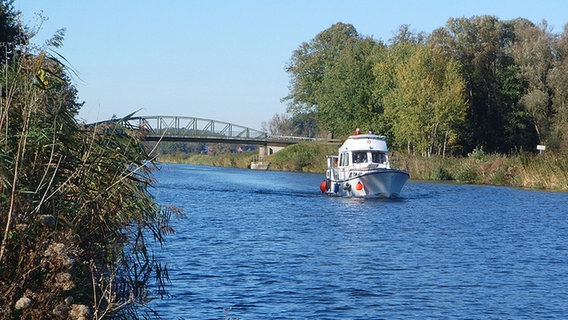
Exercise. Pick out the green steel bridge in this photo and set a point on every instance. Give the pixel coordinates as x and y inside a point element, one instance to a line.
<point>192,129</point>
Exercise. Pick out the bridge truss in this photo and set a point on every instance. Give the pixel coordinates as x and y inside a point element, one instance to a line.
<point>192,129</point>
<point>174,128</point>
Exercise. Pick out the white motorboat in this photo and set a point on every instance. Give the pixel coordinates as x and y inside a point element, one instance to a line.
<point>362,169</point>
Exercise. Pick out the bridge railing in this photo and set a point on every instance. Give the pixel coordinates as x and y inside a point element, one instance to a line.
<point>191,126</point>
<point>291,138</point>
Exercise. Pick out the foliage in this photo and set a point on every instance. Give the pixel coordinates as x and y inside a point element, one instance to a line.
<point>475,82</point>
<point>532,52</point>
<point>232,160</point>
<point>525,170</point>
<point>425,105</point>
<point>76,211</point>
<point>305,156</point>
<point>167,147</point>
<point>346,100</point>
<point>558,80</point>
<point>310,63</point>
<point>280,125</point>
<point>11,32</point>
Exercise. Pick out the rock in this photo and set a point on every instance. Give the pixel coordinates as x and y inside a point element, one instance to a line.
<point>47,220</point>
<point>23,303</point>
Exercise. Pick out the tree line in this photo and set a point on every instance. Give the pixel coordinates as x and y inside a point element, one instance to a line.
<point>475,83</point>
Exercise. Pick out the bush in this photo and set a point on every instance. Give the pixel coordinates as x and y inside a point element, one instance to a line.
<point>305,156</point>
<point>466,173</point>
<point>75,205</point>
<point>441,174</point>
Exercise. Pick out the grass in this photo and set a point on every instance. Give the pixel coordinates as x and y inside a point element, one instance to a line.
<point>231,160</point>
<point>547,171</point>
<point>302,157</point>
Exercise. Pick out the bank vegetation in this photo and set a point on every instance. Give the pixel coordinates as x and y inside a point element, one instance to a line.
<point>470,101</point>
<point>76,214</point>
<point>474,83</point>
<point>542,171</point>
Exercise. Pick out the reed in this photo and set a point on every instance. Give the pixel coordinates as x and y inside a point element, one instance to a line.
<point>548,171</point>
<point>230,160</point>
<point>75,210</point>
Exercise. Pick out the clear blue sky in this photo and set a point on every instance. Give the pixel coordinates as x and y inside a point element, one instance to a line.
<point>225,60</point>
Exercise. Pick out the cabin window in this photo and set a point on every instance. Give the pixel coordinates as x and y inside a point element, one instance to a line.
<point>378,157</point>
<point>344,159</point>
<point>359,157</point>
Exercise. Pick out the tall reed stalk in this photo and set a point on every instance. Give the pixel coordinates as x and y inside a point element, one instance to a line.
<point>75,209</point>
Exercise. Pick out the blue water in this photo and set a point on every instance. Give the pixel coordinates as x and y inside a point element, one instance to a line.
<point>268,245</point>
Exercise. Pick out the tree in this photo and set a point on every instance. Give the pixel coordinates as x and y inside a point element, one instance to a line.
<point>346,99</point>
<point>493,85</point>
<point>405,35</point>
<point>532,52</point>
<point>279,125</point>
<point>11,33</point>
<point>425,103</point>
<point>558,81</point>
<point>310,64</point>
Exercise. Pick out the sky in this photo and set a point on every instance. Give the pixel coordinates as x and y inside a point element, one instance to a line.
<point>220,59</point>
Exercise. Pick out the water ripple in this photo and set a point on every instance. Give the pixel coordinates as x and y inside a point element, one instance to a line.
<point>261,245</point>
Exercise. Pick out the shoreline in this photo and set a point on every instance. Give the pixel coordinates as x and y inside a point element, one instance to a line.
<point>546,172</point>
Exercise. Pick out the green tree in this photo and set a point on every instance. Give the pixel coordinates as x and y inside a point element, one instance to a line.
<point>425,103</point>
<point>558,81</point>
<point>310,64</point>
<point>532,52</point>
<point>346,98</point>
<point>403,45</point>
<point>11,33</point>
<point>304,124</point>
<point>493,84</point>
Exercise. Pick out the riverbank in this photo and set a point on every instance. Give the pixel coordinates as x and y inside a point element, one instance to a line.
<point>547,171</point>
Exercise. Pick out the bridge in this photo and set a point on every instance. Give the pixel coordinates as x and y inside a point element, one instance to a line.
<point>192,129</point>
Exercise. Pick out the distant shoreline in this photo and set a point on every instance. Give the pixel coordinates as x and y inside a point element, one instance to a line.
<point>547,172</point>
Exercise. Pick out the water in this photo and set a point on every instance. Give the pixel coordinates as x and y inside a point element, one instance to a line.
<point>268,245</point>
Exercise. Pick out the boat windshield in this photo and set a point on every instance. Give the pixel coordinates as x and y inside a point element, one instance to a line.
<point>378,157</point>
<point>360,157</point>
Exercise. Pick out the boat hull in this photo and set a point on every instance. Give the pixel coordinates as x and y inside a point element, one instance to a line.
<point>385,183</point>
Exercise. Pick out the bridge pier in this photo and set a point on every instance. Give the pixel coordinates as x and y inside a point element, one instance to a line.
<point>264,151</point>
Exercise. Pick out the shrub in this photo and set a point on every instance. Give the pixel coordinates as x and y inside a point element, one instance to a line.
<point>441,174</point>
<point>74,202</point>
<point>305,156</point>
<point>466,172</point>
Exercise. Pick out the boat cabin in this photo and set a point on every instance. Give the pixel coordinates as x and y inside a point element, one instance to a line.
<point>362,151</point>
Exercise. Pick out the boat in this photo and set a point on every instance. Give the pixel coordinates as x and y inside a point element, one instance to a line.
<point>362,169</point>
